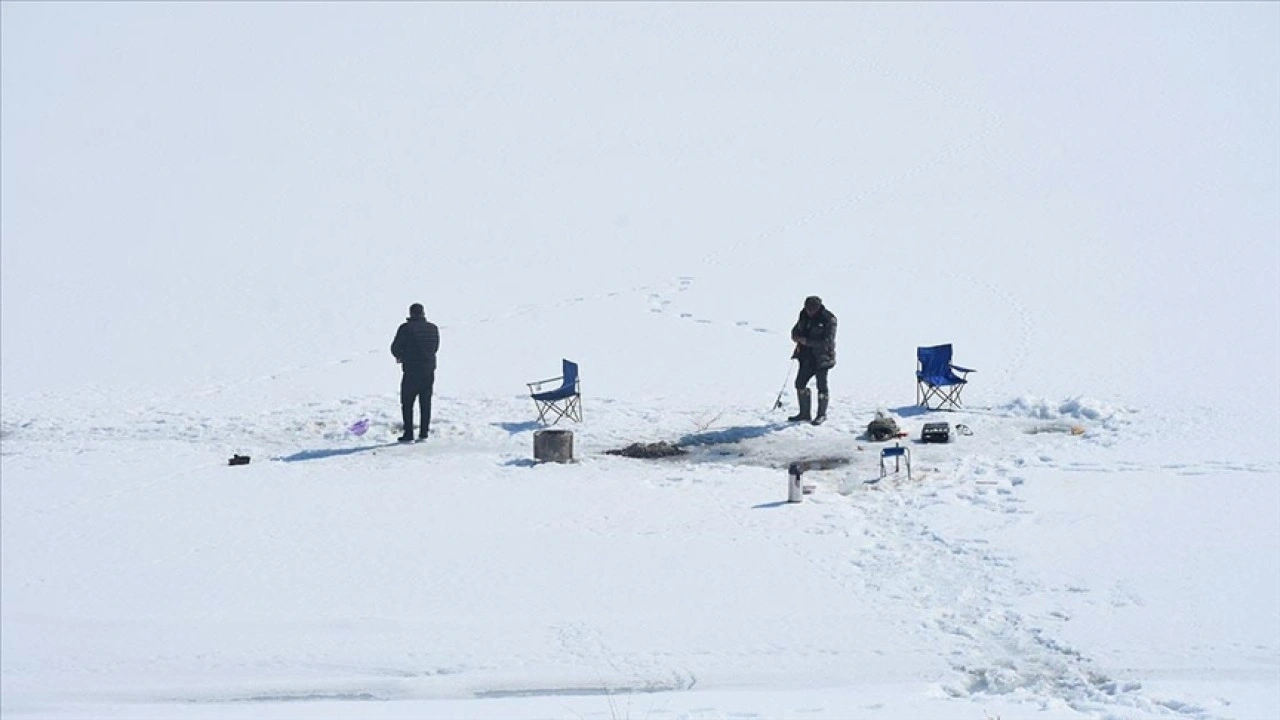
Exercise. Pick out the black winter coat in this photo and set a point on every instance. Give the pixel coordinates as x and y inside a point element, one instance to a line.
<point>817,335</point>
<point>416,344</point>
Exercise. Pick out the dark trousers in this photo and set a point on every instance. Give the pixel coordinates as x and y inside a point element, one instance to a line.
<point>417,384</point>
<point>808,371</point>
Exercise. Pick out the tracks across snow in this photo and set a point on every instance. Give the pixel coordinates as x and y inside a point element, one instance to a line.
<point>881,543</point>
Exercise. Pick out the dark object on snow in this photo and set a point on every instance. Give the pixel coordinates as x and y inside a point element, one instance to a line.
<point>936,378</point>
<point>936,432</point>
<point>417,341</point>
<point>882,428</point>
<point>649,450</point>
<point>822,463</point>
<point>238,460</point>
<point>564,400</point>
<point>815,337</point>
<point>414,347</point>
<point>553,445</point>
<point>898,453</point>
<point>803,397</point>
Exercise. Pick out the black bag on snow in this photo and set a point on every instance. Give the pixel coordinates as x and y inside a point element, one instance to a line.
<point>882,428</point>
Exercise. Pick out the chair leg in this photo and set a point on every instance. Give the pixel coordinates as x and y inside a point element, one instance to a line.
<point>944,396</point>
<point>552,412</point>
<point>927,392</point>
<point>953,396</point>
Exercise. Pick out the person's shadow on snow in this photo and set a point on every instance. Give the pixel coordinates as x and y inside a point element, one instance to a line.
<point>907,411</point>
<point>731,435</point>
<point>331,452</point>
<point>515,428</point>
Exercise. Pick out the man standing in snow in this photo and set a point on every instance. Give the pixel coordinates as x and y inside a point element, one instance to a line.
<point>815,338</point>
<point>415,349</point>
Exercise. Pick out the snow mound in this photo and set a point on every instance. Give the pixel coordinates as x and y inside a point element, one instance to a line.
<point>1076,408</point>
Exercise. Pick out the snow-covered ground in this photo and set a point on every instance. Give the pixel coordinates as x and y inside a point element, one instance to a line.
<point>214,217</point>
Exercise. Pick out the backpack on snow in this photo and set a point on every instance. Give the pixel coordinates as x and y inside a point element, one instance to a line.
<point>882,428</point>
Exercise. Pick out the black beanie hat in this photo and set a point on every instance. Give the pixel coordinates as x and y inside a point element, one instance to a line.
<point>415,310</point>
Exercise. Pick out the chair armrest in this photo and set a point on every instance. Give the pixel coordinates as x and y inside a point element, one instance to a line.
<point>963,369</point>
<point>536,385</point>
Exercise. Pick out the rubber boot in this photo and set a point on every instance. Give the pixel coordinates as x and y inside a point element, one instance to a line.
<point>822,409</point>
<point>802,397</point>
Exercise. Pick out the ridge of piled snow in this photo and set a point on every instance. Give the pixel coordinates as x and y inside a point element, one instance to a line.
<point>1078,407</point>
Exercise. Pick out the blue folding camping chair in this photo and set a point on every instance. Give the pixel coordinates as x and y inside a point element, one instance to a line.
<point>564,401</point>
<point>936,378</point>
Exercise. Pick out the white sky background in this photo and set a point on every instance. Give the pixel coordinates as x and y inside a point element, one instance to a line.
<point>208,190</point>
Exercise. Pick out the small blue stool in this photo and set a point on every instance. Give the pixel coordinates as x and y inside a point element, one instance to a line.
<point>898,453</point>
